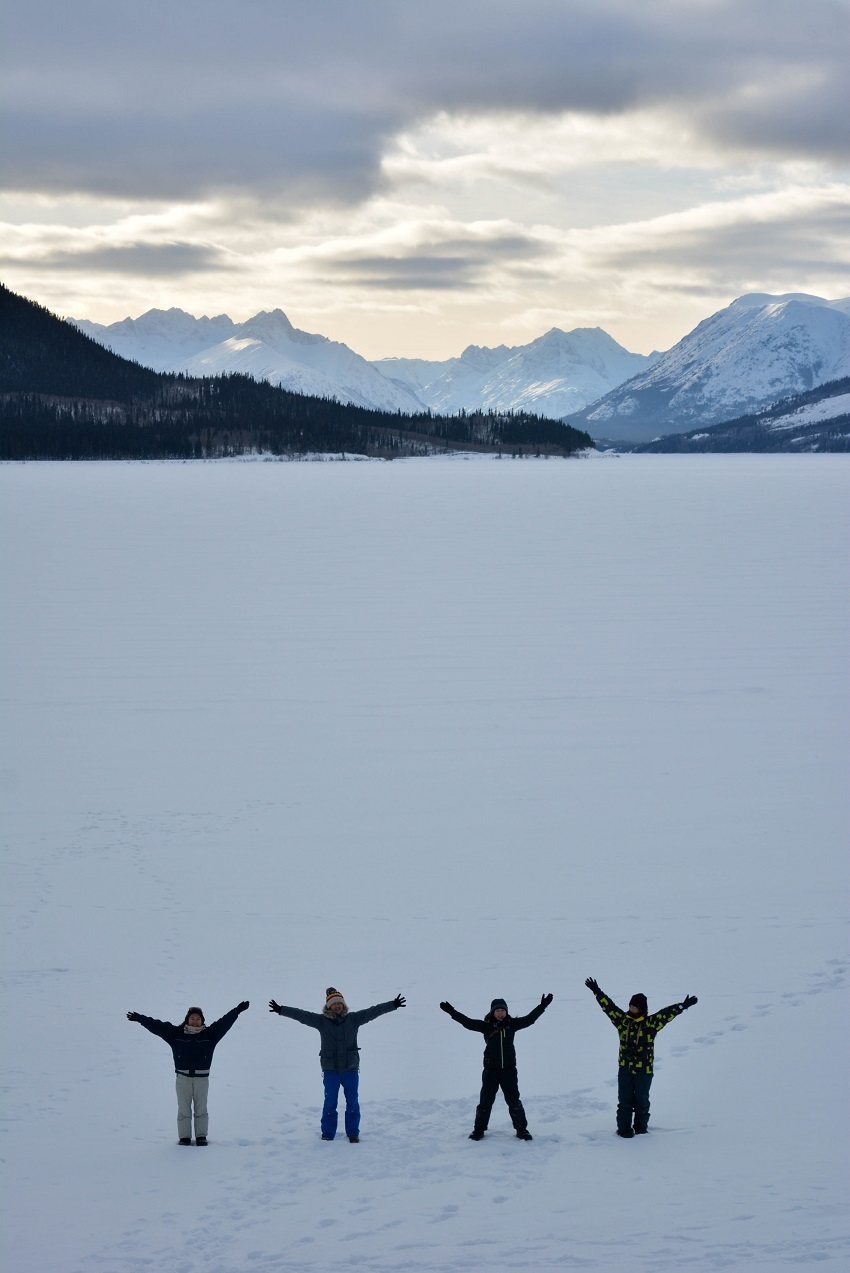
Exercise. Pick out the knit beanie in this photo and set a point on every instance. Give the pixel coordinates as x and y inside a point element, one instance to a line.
<point>639,1002</point>
<point>332,996</point>
<point>189,1012</point>
<point>498,1003</point>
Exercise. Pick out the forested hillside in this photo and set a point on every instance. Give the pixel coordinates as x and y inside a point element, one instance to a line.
<point>63,396</point>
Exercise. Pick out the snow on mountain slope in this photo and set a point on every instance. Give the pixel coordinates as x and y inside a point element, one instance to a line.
<point>163,339</point>
<point>267,347</point>
<point>554,374</point>
<point>741,359</point>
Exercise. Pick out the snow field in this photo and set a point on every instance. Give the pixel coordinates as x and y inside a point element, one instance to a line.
<point>446,729</point>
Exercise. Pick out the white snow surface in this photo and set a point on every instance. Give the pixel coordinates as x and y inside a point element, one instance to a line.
<point>450,729</point>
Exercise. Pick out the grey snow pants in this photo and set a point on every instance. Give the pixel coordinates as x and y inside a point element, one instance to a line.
<point>192,1091</point>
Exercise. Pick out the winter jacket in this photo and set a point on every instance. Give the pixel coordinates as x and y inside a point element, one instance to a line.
<point>637,1034</point>
<point>499,1052</point>
<point>338,1050</point>
<point>192,1053</point>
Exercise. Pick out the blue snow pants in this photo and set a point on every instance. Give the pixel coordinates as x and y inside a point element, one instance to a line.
<point>347,1080</point>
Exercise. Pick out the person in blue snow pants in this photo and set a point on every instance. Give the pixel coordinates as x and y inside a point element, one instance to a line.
<point>339,1054</point>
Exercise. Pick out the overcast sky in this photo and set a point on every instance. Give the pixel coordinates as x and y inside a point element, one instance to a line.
<point>411,176</point>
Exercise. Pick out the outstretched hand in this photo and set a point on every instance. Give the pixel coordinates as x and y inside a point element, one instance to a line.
<point>689,1001</point>
<point>133,1016</point>
<point>273,1007</point>
<point>400,1001</point>
<point>546,1000</point>
<point>446,1007</point>
<point>593,985</point>
<point>243,1005</point>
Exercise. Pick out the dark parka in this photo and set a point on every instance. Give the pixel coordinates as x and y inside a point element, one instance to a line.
<point>499,1051</point>
<point>637,1034</point>
<point>192,1053</point>
<point>338,1050</point>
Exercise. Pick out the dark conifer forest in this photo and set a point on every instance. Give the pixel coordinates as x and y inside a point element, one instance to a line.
<point>64,397</point>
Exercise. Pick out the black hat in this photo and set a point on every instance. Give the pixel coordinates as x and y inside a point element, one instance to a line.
<point>639,1002</point>
<point>498,1003</point>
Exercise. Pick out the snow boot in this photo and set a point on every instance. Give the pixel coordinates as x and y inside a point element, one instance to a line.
<point>355,1140</point>
<point>626,1135</point>
<point>184,1140</point>
<point>327,1138</point>
<point>200,1140</point>
<point>476,1134</point>
<point>525,1134</point>
<point>641,1131</point>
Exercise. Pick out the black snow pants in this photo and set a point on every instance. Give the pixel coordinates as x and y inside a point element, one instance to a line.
<point>491,1080</point>
<point>632,1101</point>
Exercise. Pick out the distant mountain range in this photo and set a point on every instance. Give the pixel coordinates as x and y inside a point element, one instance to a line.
<point>758,350</point>
<point>553,375</point>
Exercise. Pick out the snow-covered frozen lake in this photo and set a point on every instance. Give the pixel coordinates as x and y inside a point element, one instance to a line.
<point>450,729</point>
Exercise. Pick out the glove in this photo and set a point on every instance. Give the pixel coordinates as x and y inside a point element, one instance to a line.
<point>593,985</point>
<point>400,1001</point>
<point>273,1007</point>
<point>545,1001</point>
<point>243,1005</point>
<point>133,1016</point>
<point>446,1007</point>
<point>689,1001</point>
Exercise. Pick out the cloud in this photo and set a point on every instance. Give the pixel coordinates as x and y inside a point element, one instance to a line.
<point>450,264</point>
<point>301,102</point>
<point>150,260</point>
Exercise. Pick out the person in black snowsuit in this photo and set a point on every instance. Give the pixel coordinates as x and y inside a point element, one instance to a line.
<point>339,1054</point>
<point>499,1028</point>
<point>192,1044</point>
<point>637,1029</point>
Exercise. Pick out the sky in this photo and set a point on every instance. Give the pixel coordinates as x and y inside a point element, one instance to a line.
<point>412,178</point>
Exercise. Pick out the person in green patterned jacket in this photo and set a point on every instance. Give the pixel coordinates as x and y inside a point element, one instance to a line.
<point>637,1030</point>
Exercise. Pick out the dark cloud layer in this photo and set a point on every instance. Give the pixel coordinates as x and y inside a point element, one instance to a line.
<point>277,98</point>
<point>151,260</point>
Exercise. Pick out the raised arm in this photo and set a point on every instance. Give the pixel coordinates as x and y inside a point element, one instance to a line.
<point>607,1005</point>
<point>163,1029</point>
<point>665,1015</point>
<point>369,1014</point>
<point>467,1022</point>
<point>314,1019</point>
<point>219,1028</point>
<point>520,1023</point>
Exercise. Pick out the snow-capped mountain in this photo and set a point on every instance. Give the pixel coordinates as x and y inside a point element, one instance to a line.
<point>266,347</point>
<point>756,351</point>
<point>553,375</point>
<point>557,373</point>
<point>815,421</point>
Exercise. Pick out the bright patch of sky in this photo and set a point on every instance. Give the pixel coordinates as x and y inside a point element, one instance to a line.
<point>409,195</point>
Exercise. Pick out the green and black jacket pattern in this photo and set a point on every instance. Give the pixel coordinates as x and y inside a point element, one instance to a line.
<point>637,1034</point>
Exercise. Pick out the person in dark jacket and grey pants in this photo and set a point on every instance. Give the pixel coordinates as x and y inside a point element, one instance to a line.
<point>499,1028</point>
<point>339,1054</point>
<point>192,1045</point>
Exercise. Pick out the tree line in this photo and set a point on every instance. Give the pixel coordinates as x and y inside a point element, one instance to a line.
<point>64,397</point>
